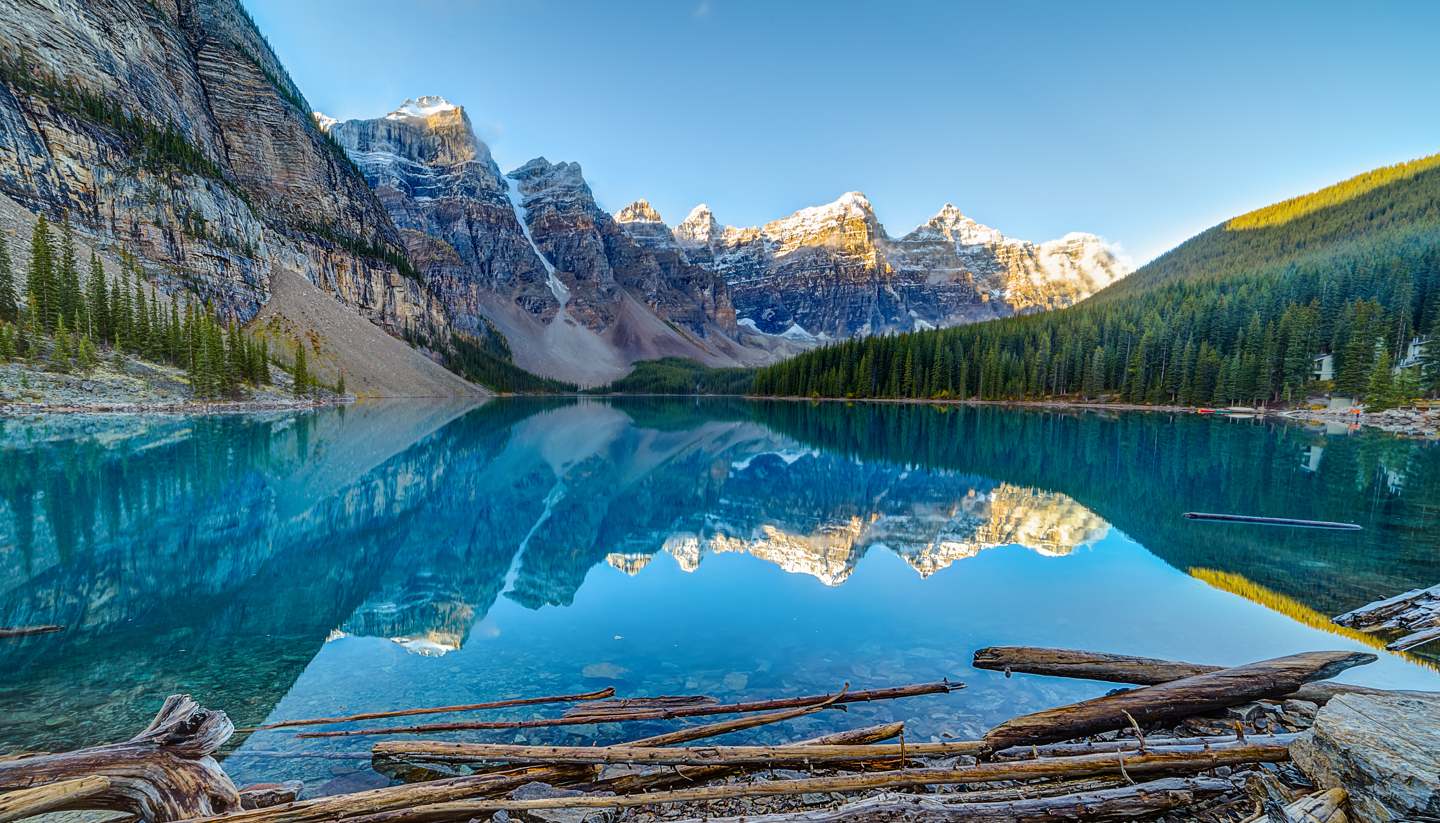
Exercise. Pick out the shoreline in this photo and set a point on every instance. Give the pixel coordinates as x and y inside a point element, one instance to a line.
<point>19,410</point>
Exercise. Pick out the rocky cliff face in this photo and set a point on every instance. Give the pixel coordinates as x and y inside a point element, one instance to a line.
<point>832,271</point>
<point>444,191</point>
<point>170,129</point>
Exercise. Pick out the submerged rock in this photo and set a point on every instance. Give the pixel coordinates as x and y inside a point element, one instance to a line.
<point>1382,750</point>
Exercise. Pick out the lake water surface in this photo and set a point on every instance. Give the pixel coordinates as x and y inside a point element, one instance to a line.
<point>393,555</point>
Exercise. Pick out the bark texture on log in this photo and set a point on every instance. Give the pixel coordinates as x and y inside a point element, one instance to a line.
<point>1124,668</point>
<point>164,773</point>
<point>24,803</point>
<point>1175,700</point>
<point>1121,803</point>
<point>1066,767</point>
<point>670,778</point>
<point>794,754</point>
<point>844,696</point>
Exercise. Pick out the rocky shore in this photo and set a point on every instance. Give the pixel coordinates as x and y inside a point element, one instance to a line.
<point>131,386</point>
<point>1407,422</point>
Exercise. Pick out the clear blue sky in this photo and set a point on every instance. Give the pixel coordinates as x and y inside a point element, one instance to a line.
<point>1144,122</point>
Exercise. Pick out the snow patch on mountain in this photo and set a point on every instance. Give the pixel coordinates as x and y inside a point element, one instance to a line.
<point>427,105</point>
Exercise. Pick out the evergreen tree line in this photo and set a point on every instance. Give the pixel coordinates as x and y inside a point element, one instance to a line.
<point>1249,338</point>
<point>81,313</point>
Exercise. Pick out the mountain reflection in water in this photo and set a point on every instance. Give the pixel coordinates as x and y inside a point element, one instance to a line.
<point>246,559</point>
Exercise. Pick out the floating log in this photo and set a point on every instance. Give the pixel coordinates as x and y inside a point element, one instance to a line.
<point>1067,767</point>
<point>466,707</point>
<point>1272,521</point>
<point>1124,668</point>
<point>791,755</point>
<point>264,795</point>
<point>1117,803</point>
<point>1174,700</point>
<point>1412,641</point>
<point>668,778</point>
<point>26,631</point>
<point>164,773</point>
<point>23,803</point>
<point>941,687</point>
<point>627,704</point>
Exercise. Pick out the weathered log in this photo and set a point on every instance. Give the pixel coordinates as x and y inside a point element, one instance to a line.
<point>1119,803</point>
<point>23,803</point>
<point>1130,744</point>
<point>264,795</point>
<point>1414,640</point>
<point>1320,807</point>
<point>791,755</point>
<point>668,778</point>
<point>941,687</point>
<point>26,631</point>
<point>627,704</point>
<point>1395,612</point>
<point>164,773</point>
<point>467,707</point>
<point>1175,700</point>
<point>1064,767</point>
<point>1124,668</point>
<point>343,806</point>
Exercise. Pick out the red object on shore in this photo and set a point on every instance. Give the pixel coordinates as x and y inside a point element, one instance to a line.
<point>1204,411</point>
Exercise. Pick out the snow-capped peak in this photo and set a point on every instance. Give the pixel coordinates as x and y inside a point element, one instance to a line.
<point>950,224</point>
<point>424,106</point>
<point>699,227</point>
<point>323,120</point>
<point>638,212</point>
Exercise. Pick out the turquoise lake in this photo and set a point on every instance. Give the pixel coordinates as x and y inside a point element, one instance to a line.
<point>385,556</point>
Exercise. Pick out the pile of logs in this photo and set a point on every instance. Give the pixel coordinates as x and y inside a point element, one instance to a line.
<point>1131,754</point>
<point>1414,616</point>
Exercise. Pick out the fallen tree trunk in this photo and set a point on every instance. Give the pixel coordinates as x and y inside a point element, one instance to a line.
<point>1124,668</point>
<point>1175,700</point>
<point>1132,744</point>
<point>1400,613</point>
<point>624,704</point>
<point>23,803</point>
<point>1121,803</point>
<point>467,707</point>
<point>26,631</point>
<point>942,687</point>
<point>164,773</point>
<point>667,778</point>
<point>795,754</point>
<point>1066,767</point>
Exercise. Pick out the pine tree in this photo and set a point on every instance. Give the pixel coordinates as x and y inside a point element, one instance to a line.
<point>9,298</point>
<point>140,326</point>
<point>62,346</point>
<point>40,283</point>
<point>1430,361</point>
<point>68,277</point>
<point>340,385</point>
<point>1380,394</point>
<point>301,371</point>
<point>97,302</point>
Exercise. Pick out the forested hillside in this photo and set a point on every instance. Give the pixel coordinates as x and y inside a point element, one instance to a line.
<point>1236,314</point>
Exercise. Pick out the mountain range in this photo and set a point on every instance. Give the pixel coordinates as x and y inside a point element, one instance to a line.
<point>170,132</point>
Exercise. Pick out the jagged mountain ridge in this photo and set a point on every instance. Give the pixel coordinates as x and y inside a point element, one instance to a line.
<point>531,256</point>
<point>832,271</point>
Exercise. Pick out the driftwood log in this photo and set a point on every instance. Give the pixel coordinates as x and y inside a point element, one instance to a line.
<point>1415,614</point>
<point>24,803</point>
<point>164,773</point>
<point>1130,744</point>
<point>669,778</point>
<point>1112,803</point>
<point>1044,768</point>
<point>776,756</point>
<point>26,631</point>
<point>941,687</point>
<point>1320,807</point>
<point>465,707</point>
<point>1175,700</point>
<point>1124,668</point>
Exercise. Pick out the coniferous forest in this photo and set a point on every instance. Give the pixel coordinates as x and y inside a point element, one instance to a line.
<point>72,315</point>
<point>1236,315</point>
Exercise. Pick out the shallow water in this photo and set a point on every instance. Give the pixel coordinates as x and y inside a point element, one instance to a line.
<point>391,555</point>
